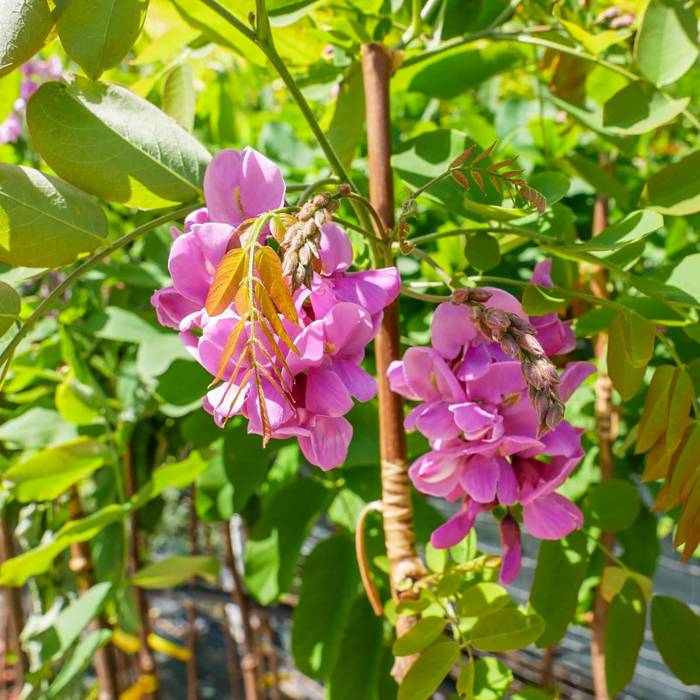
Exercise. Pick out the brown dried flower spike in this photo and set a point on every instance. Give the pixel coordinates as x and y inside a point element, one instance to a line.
<point>518,339</point>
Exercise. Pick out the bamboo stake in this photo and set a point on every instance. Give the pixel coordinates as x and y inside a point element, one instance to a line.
<point>192,679</point>
<point>249,662</point>
<point>13,603</point>
<point>397,507</point>
<point>604,410</point>
<point>146,659</point>
<point>81,565</point>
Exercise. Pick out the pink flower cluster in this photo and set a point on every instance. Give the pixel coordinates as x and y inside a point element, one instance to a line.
<point>338,316</point>
<point>483,430</point>
<point>33,74</point>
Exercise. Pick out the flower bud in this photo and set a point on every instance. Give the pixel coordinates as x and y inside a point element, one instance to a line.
<point>533,375</point>
<point>510,346</point>
<point>554,415</point>
<point>530,344</point>
<point>460,296</point>
<point>496,319</point>
<point>480,295</point>
<point>344,189</point>
<point>320,200</point>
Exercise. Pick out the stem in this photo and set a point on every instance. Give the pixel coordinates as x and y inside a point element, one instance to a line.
<point>77,273</point>
<point>191,610</point>
<point>397,507</point>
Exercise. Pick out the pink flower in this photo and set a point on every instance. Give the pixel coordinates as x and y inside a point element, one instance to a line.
<point>555,335</point>
<point>304,395</point>
<point>484,433</point>
<point>240,185</point>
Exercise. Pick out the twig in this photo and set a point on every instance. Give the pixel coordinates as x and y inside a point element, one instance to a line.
<point>362,561</point>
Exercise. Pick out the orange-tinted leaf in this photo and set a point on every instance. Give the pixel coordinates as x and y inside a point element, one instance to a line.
<point>459,160</point>
<point>502,164</point>
<point>687,466</point>
<point>478,179</point>
<point>657,462</point>
<point>460,178</point>
<point>484,154</point>
<point>227,280</point>
<point>655,413</point>
<point>679,409</point>
<point>270,313</point>
<point>275,345</point>
<point>229,349</point>
<point>264,417</point>
<point>689,522</point>
<point>270,270</point>
<point>242,302</point>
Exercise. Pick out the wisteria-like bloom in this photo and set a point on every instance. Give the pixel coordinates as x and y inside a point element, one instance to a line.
<point>488,448</point>
<point>34,73</point>
<point>338,315</point>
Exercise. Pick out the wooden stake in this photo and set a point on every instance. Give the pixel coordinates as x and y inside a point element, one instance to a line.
<point>397,507</point>
<point>249,662</point>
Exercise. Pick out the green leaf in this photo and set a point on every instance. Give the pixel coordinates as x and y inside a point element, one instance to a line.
<point>634,227</point>
<point>539,301</point>
<point>679,409</point>
<point>666,44</point>
<point>348,122</point>
<point>624,636</point>
<point>553,185</point>
<point>173,571</point>
<point>638,337</point>
<point>356,672</point>
<point>491,678</point>
<point>97,34</point>
<point>274,543</point>
<point>614,580</point>
<point>614,504</point>
<point>429,670</point>
<point>48,473</point>
<point>465,681</point>
<point>24,26</point>
<point>179,97</point>
<point>324,605</point>
<point>626,378</point>
<point>561,568</point>
<point>120,147</point>
<point>10,306</point>
<point>15,571</point>
<point>436,558</point>
<point>482,598</point>
<point>75,667</point>
<point>676,630</point>
<point>482,251</point>
<point>639,108</point>
<point>601,180</point>
<point>77,402</point>
<point>72,620</point>
<point>44,221</point>
<point>675,189</point>
<point>176,475</point>
<point>653,422</point>
<point>425,632</point>
<point>454,72</point>
<point>36,428</point>
<point>246,462</point>
<point>506,630</point>
<point>593,43</point>
<point>686,275</point>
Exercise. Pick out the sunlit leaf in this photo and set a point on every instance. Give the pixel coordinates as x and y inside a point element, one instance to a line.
<point>270,269</point>
<point>173,571</point>
<point>179,97</point>
<point>505,630</point>
<point>428,671</point>
<point>675,189</point>
<point>24,26</point>
<point>652,424</point>
<point>227,281</point>
<point>10,305</point>
<point>97,34</point>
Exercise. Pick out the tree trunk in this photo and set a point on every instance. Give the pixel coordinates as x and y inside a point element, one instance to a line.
<point>397,508</point>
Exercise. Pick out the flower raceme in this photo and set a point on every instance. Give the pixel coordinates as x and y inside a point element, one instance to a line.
<point>283,339</point>
<point>490,406</point>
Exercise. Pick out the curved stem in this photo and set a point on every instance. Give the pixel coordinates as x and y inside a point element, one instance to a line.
<point>77,273</point>
<point>525,233</point>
